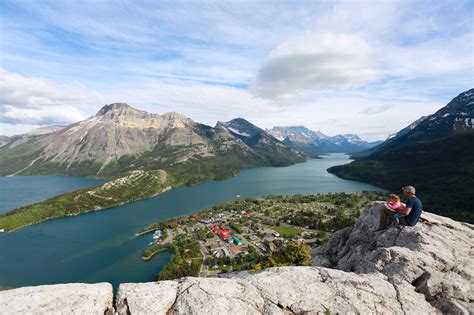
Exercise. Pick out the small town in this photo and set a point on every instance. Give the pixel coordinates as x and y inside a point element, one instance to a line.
<point>243,234</point>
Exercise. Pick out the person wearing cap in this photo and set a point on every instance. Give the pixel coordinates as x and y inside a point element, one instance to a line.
<point>410,213</point>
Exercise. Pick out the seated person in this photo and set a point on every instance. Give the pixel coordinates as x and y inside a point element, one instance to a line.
<point>413,208</point>
<point>408,214</point>
<point>394,204</point>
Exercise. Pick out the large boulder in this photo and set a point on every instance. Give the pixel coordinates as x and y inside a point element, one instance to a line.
<point>434,257</point>
<point>71,298</point>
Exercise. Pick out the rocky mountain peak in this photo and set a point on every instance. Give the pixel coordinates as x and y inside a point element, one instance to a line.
<point>465,98</point>
<point>241,127</point>
<point>174,116</point>
<point>117,109</point>
<point>317,142</point>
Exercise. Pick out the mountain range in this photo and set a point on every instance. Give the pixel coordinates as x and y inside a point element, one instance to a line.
<point>302,138</point>
<point>435,154</point>
<point>120,138</point>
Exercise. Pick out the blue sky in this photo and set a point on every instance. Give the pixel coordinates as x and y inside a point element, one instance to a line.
<point>365,67</point>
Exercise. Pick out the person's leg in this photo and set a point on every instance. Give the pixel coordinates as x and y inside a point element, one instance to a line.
<point>396,217</point>
<point>385,216</point>
<point>403,221</point>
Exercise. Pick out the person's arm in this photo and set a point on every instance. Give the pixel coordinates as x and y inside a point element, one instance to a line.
<point>406,210</point>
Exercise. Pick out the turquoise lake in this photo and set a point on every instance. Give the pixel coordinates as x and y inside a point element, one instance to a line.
<point>100,246</point>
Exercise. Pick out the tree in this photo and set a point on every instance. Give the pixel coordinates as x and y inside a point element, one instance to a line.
<point>293,254</point>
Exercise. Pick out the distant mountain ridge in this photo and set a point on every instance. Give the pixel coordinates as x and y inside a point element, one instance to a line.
<point>317,142</point>
<point>435,154</point>
<point>258,139</point>
<point>120,138</point>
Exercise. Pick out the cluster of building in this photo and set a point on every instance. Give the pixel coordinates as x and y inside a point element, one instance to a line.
<point>225,234</point>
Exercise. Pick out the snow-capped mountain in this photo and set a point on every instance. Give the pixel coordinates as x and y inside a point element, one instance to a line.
<point>317,142</point>
<point>241,127</point>
<point>297,134</point>
<point>258,139</point>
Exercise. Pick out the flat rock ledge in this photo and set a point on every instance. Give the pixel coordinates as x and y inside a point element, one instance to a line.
<point>426,269</point>
<point>71,298</point>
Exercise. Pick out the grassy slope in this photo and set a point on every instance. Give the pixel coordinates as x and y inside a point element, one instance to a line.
<point>15,159</point>
<point>441,170</point>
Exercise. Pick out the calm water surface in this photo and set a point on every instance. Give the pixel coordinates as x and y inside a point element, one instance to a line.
<point>17,191</point>
<point>101,246</point>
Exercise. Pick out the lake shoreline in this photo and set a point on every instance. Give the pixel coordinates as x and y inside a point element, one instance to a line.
<point>167,188</point>
<point>101,246</point>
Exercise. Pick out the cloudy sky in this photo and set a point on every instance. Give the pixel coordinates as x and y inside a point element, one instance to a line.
<point>364,67</point>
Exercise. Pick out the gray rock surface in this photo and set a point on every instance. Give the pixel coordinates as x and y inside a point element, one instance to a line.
<point>435,257</point>
<point>283,290</point>
<point>71,298</point>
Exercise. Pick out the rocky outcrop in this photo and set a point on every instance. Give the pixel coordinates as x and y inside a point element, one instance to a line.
<point>283,290</point>
<point>426,269</point>
<point>71,298</point>
<point>434,258</point>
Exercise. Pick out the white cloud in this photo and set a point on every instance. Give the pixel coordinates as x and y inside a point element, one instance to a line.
<point>315,62</point>
<point>38,101</point>
<point>45,115</point>
<point>31,92</point>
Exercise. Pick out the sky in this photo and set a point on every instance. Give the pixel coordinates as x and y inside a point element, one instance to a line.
<point>363,67</point>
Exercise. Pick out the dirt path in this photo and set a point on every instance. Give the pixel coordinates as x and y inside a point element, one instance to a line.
<point>29,165</point>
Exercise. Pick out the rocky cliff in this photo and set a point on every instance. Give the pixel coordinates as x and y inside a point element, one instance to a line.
<point>426,269</point>
<point>434,258</point>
